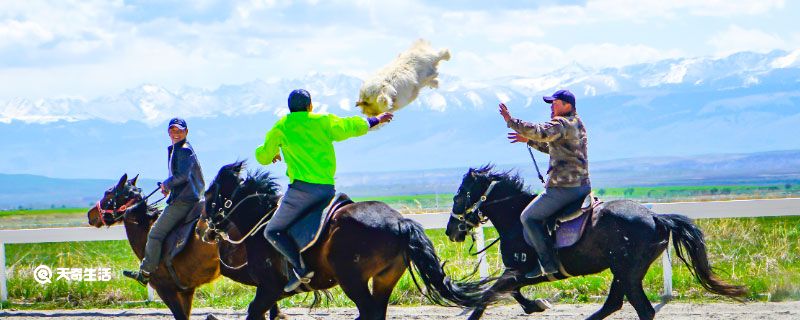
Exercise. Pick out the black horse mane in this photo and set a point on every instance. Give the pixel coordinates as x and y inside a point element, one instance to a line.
<point>260,181</point>
<point>509,178</point>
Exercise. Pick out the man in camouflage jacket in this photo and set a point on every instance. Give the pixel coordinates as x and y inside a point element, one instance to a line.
<point>564,138</point>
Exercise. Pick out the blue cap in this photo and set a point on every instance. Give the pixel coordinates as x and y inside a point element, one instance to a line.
<point>177,122</point>
<point>563,95</point>
<point>299,100</point>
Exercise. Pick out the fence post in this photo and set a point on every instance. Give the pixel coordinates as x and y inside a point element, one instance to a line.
<point>3,287</point>
<point>150,293</point>
<point>666,263</point>
<point>483,266</point>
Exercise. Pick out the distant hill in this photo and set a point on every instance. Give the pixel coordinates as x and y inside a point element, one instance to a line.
<point>30,191</point>
<point>773,167</point>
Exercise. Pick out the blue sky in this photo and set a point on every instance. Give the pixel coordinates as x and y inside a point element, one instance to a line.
<point>86,48</point>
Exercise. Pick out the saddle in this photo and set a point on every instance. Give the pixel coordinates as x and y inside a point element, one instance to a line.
<point>569,223</point>
<point>177,239</point>
<point>307,230</point>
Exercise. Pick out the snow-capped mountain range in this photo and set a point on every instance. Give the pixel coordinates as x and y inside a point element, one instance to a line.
<point>744,102</point>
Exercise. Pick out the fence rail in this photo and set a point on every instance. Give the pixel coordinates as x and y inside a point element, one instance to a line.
<point>709,209</point>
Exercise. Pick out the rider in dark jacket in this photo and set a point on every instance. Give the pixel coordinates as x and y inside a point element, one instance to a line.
<point>184,187</point>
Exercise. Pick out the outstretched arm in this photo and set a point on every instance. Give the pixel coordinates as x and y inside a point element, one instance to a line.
<point>268,152</point>
<point>541,146</point>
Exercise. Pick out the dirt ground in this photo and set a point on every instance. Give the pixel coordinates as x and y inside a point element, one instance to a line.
<point>682,311</point>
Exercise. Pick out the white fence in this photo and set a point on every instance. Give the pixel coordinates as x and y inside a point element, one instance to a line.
<point>711,209</point>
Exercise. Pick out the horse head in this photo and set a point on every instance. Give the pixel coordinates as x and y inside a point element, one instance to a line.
<point>115,203</point>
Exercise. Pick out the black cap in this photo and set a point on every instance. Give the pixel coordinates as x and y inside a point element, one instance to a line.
<point>177,122</point>
<point>299,100</point>
<point>563,95</point>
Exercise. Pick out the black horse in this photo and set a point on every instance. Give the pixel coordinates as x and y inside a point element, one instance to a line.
<point>363,241</point>
<point>622,235</point>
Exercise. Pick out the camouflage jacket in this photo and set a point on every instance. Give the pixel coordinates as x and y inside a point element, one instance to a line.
<point>564,138</point>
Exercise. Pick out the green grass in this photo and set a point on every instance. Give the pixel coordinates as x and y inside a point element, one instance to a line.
<point>761,253</point>
<point>28,212</point>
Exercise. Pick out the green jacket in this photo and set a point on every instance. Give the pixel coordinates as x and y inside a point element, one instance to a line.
<point>306,141</point>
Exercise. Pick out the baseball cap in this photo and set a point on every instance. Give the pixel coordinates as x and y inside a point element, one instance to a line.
<point>177,122</point>
<point>299,100</point>
<point>563,95</point>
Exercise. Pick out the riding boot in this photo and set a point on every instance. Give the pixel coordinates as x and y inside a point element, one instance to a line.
<point>141,276</point>
<point>300,273</point>
<point>544,249</point>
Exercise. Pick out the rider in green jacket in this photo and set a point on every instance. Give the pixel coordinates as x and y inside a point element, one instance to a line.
<point>306,141</point>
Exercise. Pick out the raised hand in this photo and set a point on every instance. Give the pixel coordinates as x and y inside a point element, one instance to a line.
<point>514,137</point>
<point>385,117</point>
<point>504,112</point>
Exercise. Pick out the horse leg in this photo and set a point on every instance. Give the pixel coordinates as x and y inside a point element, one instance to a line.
<point>173,302</point>
<point>383,284</point>
<point>638,299</point>
<point>613,301</point>
<point>357,290</point>
<point>265,298</point>
<point>185,299</point>
<point>275,313</point>
<point>530,306</point>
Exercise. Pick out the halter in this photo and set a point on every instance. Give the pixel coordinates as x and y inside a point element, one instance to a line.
<point>117,213</point>
<point>465,224</point>
<point>475,208</point>
<point>227,204</point>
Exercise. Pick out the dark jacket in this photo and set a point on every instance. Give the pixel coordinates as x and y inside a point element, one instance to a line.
<point>185,182</point>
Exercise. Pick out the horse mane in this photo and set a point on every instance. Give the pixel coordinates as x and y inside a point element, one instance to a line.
<point>509,178</point>
<point>260,181</point>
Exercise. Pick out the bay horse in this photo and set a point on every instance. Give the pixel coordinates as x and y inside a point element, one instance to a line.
<point>364,241</point>
<point>199,262</point>
<point>622,235</point>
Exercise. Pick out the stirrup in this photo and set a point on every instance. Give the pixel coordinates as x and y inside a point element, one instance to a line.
<point>140,276</point>
<point>297,280</point>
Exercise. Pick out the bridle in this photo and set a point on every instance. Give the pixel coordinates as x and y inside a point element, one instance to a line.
<point>473,216</point>
<point>466,224</point>
<point>117,213</point>
<point>216,226</point>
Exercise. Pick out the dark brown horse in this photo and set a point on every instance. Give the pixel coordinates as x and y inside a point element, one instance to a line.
<point>364,241</point>
<point>622,235</point>
<point>199,262</point>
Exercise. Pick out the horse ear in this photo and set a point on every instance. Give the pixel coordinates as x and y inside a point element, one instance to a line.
<point>122,181</point>
<point>238,168</point>
<point>133,181</point>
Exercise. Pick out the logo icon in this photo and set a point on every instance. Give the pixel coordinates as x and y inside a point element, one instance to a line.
<point>42,274</point>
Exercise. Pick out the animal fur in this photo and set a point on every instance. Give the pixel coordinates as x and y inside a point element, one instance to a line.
<point>399,83</point>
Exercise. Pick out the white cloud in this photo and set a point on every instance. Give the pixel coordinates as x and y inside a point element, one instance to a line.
<point>46,45</point>
<point>736,39</point>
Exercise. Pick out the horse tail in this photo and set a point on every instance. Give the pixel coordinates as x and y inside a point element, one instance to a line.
<point>688,239</point>
<point>439,288</point>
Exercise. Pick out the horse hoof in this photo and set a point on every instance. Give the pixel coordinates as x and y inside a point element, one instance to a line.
<point>211,317</point>
<point>281,316</point>
<point>543,303</point>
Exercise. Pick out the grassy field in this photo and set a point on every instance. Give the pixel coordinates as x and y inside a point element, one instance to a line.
<point>762,253</point>
<point>426,203</point>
